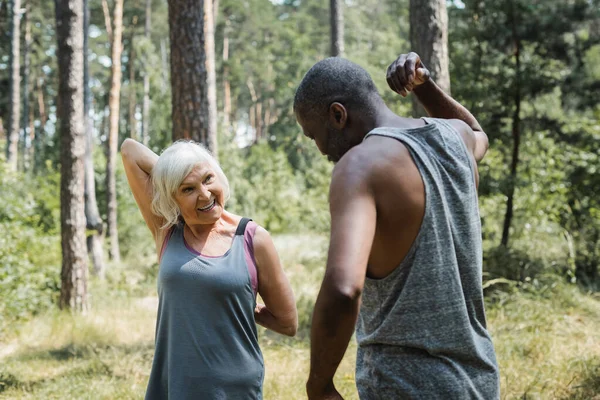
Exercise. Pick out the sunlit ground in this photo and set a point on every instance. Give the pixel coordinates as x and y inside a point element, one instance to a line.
<point>548,346</point>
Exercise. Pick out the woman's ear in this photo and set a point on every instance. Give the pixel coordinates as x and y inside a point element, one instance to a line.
<point>338,115</point>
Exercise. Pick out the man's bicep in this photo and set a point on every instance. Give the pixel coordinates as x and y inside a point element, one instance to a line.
<point>475,140</point>
<point>481,145</point>
<point>353,221</point>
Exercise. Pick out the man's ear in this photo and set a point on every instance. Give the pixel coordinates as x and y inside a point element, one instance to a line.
<point>338,115</point>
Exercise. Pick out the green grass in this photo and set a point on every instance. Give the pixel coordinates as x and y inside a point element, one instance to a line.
<point>548,344</point>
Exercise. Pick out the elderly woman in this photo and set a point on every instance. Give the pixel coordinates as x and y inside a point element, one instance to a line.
<point>212,264</point>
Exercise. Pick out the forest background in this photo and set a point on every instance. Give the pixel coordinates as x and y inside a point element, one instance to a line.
<point>528,70</point>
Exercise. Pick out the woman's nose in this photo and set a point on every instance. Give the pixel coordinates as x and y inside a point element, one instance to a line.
<point>203,193</point>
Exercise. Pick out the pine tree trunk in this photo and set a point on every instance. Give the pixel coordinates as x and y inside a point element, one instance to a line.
<point>516,133</point>
<point>165,65</point>
<point>429,39</point>
<point>41,131</point>
<point>92,215</point>
<point>211,75</point>
<point>26,64</point>
<point>336,19</point>
<point>132,95</point>
<point>14,86</point>
<point>146,103</point>
<point>69,31</point>
<point>113,131</point>
<point>30,151</point>
<point>193,115</point>
<point>226,84</point>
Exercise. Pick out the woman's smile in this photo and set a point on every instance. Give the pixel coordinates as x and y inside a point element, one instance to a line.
<point>208,207</point>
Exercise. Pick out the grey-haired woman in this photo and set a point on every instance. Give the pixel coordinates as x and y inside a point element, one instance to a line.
<point>212,264</point>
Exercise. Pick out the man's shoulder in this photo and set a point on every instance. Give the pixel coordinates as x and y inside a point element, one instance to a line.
<point>372,161</point>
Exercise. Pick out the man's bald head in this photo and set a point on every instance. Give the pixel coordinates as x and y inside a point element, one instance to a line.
<point>336,80</point>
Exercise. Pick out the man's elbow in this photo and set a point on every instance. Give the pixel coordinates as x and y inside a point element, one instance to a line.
<point>345,294</point>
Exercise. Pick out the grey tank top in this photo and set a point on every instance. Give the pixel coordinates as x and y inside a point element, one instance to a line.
<point>421,330</point>
<point>206,337</point>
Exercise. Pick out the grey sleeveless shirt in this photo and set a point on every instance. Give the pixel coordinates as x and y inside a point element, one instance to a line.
<point>206,337</point>
<point>421,330</point>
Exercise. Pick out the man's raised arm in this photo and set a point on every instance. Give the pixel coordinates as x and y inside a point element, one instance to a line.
<point>408,74</point>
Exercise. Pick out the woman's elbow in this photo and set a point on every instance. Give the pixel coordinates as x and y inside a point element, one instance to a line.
<point>127,146</point>
<point>291,329</point>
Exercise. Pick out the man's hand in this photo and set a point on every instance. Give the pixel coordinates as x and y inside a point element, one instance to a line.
<point>327,393</point>
<point>406,73</point>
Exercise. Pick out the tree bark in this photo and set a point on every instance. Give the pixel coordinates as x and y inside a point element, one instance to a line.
<point>211,77</point>
<point>94,224</point>
<point>146,102</point>
<point>41,131</point>
<point>192,57</point>
<point>336,18</point>
<point>69,31</point>
<point>132,95</point>
<point>516,131</point>
<point>26,108</point>
<point>226,84</point>
<point>429,39</point>
<point>113,131</point>
<point>14,104</point>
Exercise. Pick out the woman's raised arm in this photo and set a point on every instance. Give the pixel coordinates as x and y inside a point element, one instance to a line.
<point>139,161</point>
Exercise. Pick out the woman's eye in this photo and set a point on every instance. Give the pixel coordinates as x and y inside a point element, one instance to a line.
<point>209,179</point>
<point>187,190</point>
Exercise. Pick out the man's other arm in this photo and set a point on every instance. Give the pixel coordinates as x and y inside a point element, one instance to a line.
<point>353,220</point>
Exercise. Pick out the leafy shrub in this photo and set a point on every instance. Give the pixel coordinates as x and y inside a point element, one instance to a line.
<point>30,258</point>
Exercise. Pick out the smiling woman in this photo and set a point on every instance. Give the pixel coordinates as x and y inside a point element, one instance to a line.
<point>210,264</point>
<point>182,169</point>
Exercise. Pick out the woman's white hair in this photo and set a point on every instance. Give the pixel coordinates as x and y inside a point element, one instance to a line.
<point>173,165</point>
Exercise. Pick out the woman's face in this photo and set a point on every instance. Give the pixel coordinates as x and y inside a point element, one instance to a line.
<point>200,196</point>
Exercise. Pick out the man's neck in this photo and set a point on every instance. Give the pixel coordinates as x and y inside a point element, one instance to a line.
<point>387,118</point>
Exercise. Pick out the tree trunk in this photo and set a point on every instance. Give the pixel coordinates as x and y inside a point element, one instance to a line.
<point>165,65</point>
<point>69,31</point>
<point>146,102</point>
<point>26,64</point>
<point>429,39</point>
<point>113,131</point>
<point>132,95</point>
<point>211,76</point>
<point>192,58</point>
<point>41,132</point>
<point>94,224</point>
<point>336,19</point>
<point>107,23</point>
<point>516,132</point>
<point>30,151</point>
<point>226,84</point>
<point>14,103</point>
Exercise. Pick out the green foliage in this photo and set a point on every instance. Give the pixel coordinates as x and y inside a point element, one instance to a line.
<point>265,187</point>
<point>30,258</point>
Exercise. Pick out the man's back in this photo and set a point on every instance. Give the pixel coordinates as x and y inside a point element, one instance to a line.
<point>422,330</point>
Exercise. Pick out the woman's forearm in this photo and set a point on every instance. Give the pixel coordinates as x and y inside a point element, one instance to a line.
<point>135,152</point>
<point>265,318</point>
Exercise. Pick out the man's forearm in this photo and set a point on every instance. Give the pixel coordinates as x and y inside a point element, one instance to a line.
<point>439,104</point>
<point>333,324</point>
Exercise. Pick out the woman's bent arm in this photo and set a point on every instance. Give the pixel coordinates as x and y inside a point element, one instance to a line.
<point>139,161</point>
<point>279,311</point>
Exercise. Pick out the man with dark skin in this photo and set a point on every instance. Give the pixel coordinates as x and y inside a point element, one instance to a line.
<point>405,244</point>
